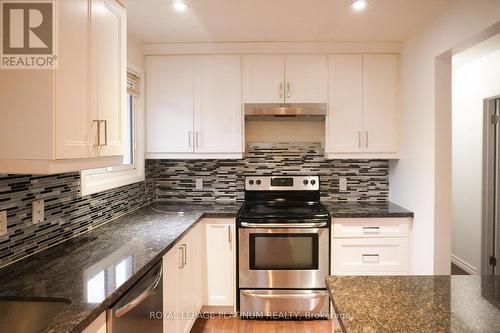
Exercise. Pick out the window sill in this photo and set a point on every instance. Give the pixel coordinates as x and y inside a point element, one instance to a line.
<point>93,182</point>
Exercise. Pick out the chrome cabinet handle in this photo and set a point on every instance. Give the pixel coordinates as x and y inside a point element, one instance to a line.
<point>229,237</point>
<point>139,299</point>
<point>190,138</point>
<point>371,230</point>
<point>288,89</point>
<point>181,256</point>
<point>359,139</point>
<point>197,139</point>
<point>366,140</point>
<point>184,255</point>
<point>281,89</point>
<point>105,132</point>
<point>283,225</point>
<point>370,257</point>
<point>98,122</point>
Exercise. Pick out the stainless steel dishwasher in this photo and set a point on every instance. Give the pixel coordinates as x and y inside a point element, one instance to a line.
<point>140,309</point>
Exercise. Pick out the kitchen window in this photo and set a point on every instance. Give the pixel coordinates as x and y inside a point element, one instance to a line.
<point>132,169</point>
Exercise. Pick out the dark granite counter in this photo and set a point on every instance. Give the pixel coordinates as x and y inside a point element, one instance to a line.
<point>70,272</point>
<point>365,209</point>
<point>458,303</point>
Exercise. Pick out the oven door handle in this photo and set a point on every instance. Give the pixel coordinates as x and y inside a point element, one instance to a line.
<point>284,225</point>
<point>316,294</point>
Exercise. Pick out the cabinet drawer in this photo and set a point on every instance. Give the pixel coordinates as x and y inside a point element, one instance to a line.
<point>370,227</point>
<point>370,256</point>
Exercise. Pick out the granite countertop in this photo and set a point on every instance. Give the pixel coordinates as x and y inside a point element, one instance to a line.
<point>63,272</point>
<point>458,303</point>
<point>365,209</point>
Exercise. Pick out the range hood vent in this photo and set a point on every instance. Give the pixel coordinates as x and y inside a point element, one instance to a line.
<point>315,111</point>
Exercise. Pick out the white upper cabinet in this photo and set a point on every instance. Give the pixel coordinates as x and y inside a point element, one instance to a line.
<point>263,79</point>
<point>169,104</point>
<point>380,100</point>
<point>285,79</point>
<point>109,73</point>
<point>345,119</point>
<point>363,113</point>
<point>306,79</point>
<point>194,107</point>
<point>69,118</point>
<point>218,121</point>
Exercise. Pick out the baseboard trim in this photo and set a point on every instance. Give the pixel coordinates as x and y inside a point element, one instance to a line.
<point>463,264</point>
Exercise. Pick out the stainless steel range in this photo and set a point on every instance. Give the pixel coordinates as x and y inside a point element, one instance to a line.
<point>283,232</point>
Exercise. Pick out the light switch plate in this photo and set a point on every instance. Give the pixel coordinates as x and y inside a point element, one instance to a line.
<point>38,211</point>
<point>199,184</point>
<point>3,222</point>
<point>343,184</point>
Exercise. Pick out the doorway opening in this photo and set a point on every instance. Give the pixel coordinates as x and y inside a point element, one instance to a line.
<point>476,159</point>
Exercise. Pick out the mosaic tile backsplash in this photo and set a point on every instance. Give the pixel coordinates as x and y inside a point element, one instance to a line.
<point>223,180</point>
<point>68,214</point>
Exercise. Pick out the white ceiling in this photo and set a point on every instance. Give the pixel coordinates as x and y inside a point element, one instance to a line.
<point>154,21</point>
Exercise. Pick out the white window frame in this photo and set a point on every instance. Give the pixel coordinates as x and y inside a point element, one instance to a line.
<point>102,179</point>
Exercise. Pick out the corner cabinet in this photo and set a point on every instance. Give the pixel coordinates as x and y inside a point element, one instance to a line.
<point>69,118</point>
<point>199,271</point>
<point>363,116</point>
<point>193,106</point>
<point>285,79</point>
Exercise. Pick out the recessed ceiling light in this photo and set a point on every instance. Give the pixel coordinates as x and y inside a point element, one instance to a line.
<point>359,5</point>
<point>180,5</point>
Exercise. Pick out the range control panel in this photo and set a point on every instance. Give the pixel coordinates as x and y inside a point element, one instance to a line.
<point>282,183</point>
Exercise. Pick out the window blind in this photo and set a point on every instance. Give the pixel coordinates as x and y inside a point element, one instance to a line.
<point>133,81</point>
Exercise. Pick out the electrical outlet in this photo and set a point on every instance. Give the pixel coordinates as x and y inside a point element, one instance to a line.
<point>343,184</point>
<point>3,222</point>
<point>199,184</point>
<point>38,211</point>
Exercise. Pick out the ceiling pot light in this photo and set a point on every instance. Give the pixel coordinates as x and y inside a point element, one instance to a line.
<point>359,5</point>
<point>180,5</point>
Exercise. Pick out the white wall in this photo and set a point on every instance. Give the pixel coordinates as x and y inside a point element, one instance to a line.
<point>472,83</point>
<point>135,55</point>
<point>413,178</point>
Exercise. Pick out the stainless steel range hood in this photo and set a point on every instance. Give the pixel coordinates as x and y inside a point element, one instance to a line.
<point>315,111</point>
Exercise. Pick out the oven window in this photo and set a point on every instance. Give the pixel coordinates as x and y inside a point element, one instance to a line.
<point>283,251</point>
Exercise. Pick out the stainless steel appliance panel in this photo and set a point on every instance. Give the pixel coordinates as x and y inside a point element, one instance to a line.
<point>284,304</point>
<point>283,257</point>
<point>132,313</point>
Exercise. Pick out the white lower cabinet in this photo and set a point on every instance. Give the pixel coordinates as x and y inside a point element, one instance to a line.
<point>98,325</point>
<point>220,256</point>
<point>370,246</point>
<point>199,270</point>
<point>182,282</point>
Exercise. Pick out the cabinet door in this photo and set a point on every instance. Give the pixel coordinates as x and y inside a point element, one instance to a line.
<point>172,290</point>
<point>191,276</point>
<point>75,129</point>
<point>380,99</point>
<point>169,104</point>
<point>263,79</point>
<point>108,62</point>
<point>98,325</point>
<point>306,79</point>
<point>220,263</point>
<point>218,115</point>
<point>345,114</point>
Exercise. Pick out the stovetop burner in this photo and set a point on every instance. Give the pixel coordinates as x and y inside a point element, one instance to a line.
<point>288,210</point>
<point>282,198</point>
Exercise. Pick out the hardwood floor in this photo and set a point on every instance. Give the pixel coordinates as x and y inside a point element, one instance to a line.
<point>216,325</point>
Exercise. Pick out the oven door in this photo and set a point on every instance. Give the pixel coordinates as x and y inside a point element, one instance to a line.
<point>283,257</point>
